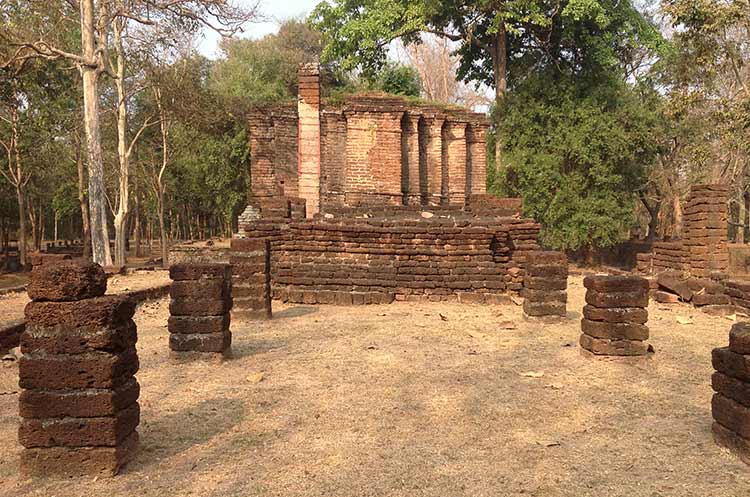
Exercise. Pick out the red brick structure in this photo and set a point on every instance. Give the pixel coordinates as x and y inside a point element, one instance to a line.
<point>369,150</point>
<point>79,404</point>
<point>615,315</point>
<point>251,278</point>
<point>704,246</point>
<point>545,284</point>
<point>199,310</point>
<point>730,405</point>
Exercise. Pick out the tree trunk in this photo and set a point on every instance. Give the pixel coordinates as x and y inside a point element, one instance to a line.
<point>653,212</point>
<point>121,216</point>
<point>86,235</point>
<point>500,68</point>
<point>163,230</point>
<point>677,205</point>
<point>22,252</point>
<point>137,223</point>
<point>90,75</point>
<point>746,219</point>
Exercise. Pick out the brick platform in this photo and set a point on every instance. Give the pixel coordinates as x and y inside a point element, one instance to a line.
<point>79,404</point>
<point>251,278</point>
<point>730,405</point>
<point>615,315</point>
<point>199,310</point>
<point>545,284</point>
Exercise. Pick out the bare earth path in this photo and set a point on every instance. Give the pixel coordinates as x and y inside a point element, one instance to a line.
<point>397,401</point>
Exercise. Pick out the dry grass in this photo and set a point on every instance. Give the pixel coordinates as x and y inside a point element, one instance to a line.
<point>395,401</point>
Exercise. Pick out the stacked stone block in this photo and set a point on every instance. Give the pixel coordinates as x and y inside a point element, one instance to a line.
<point>706,229</point>
<point>545,284</point>
<point>615,315</point>
<point>644,263</point>
<point>79,404</point>
<point>251,278</point>
<point>730,405</point>
<point>199,310</point>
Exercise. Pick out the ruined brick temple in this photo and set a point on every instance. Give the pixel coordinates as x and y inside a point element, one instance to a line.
<point>376,197</point>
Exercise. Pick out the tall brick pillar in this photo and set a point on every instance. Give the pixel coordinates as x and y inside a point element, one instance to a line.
<point>251,278</point>
<point>414,195</point>
<point>262,175</point>
<point>434,160</point>
<point>308,109</point>
<point>476,141</point>
<point>79,405</point>
<point>705,234</point>
<point>456,156</point>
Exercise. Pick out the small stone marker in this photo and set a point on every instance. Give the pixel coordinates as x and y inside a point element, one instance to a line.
<point>79,405</point>
<point>614,319</point>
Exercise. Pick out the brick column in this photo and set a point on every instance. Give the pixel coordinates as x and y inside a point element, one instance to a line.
<point>251,278</point>
<point>414,195</point>
<point>199,310</point>
<point>434,160</point>
<point>615,315</point>
<point>730,405</point>
<point>456,148</point>
<point>545,284</point>
<point>262,176</point>
<point>79,405</point>
<point>476,139</point>
<point>705,239</point>
<point>308,109</point>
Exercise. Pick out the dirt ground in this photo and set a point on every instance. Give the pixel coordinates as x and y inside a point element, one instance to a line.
<point>12,304</point>
<point>398,400</point>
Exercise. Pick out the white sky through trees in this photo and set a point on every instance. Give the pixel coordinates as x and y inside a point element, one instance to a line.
<point>274,11</point>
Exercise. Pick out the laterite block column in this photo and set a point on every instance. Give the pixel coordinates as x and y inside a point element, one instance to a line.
<point>615,315</point>
<point>79,404</point>
<point>251,278</point>
<point>199,311</point>
<point>730,404</point>
<point>545,284</point>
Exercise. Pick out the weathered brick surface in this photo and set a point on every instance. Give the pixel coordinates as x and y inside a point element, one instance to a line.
<point>199,310</point>
<point>615,315</point>
<point>730,405</point>
<point>251,278</point>
<point>80,396</point>
<point>545,283</point>
<point>66,281</point>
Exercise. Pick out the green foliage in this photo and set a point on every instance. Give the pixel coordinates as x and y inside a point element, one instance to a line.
<point>577,154</point>
<point>399,79</point>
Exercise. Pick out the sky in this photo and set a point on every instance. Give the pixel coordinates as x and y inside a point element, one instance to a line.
<point>274,10</point>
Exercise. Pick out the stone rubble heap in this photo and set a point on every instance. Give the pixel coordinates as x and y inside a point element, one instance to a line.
<point>615,315</point>
<point>730,405</point>
<point>79,405</point>
<point>199,311</point>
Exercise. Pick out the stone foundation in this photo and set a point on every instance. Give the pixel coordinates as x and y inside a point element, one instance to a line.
<point>79,404</point>
<point>199,310</point>
<point>615,316</point>
<point>730,405</point>
<point>545,284</point>
<point>377,260</point>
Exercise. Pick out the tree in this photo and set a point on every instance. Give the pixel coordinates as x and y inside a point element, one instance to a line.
<point>500,42</point>
<point>399,79</point>
<point>96,19</point>
<point>577,152</point>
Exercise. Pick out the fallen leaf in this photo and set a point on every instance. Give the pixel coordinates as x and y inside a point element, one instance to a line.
<point>507,325</point>
<point>427,215</point>
<point>516,300</point>
<point>554,386</point>
<point>255,377</point>
<point>731,317</point>
<point>444,318</point>
<point>548,443</point>
<point>533,374</point>
<point>684,320</point>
